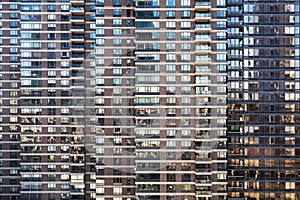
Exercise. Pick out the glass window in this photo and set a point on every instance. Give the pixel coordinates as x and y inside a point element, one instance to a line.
<point>170,3</point>
<point>147,25</point>
<point>185,57</point>
<point>117,61</point>
<point>221,2</point>
<point>171,57</point>
<point>117,22</point>
<point>186,100</point>
<point>117,12</point>
<point>13,41</point>
<point>221,57</point>
<point>185,13</point>
<point>100,12</point>
<point>117,81</point>
<point>100,22</point>
<point>117,51</point>
<point>13,6</point>
<point>185,143</point>
<point>221,35</point>
<point>221,13</point>
<point>171,78</point>
<point>185,68</point>
<point>170,68</point>
<point>117,71</point>
<point>170,46</point>
<point>170,35</point>
<point>13,32</point>
<point>30,7</point>
<point>100,31</point>
<point>185,35</point>
<point>13,24</point>
<point>117,41</point>
<point>171,143</point>
<point>100,2</point>
<point>221,46</point>
<point>170,25</point>
<point>185,79</point>
<point>185,3</point>
<point>13,15</point>
<point>64,7</point>
<point>185,24</point>
<point>185,46</point>
<point>13,50</point>
<point>170,13</point>
<point>221,25</point>
<point>117,2</point>
<point>51,7</point>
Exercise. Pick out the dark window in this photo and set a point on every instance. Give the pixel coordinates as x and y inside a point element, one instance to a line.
<point>13,24</point>
<point>51,8</point>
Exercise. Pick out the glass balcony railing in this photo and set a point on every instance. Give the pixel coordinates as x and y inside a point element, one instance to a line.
<point>203,48</point>
<point>77,8</point>
<point>202,15</point>
<point>202,37</point>
<point>77,36</point>
<point>204,3</point>
<point>203,59</point>
<point>202,26</point>
<point>234,1</point>
<point>77,27</point>
<point>77,17</point>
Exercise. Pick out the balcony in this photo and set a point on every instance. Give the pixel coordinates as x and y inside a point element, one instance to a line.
<point>235,45</point>
<point>234,12</point>
<point>77,38</point>
<point>77,47</point>
<point>203,181</point>
<point>203,159</point>
<point>77,18</point>
<point>77,9</point>
<point>154,168</point>
<point>148,188</point>
<point>77,28</point>
<point>235,56</point>
<point>148,178</point>
<point>203,49</point>
<point>202,5</point>
<point>200,38</point>
<point>235,2</point>
<point>203,60</point>
<point>203,192</point>
<point>77,57</point>
<point>202,81</point>
<point>202,28</point>
<point>78,2</point>
<point>29,168</point>
<point>234,23</point>
<point>77,190</point>
<point>235,35</point>
<point>147,4</point>
<point>203,171</point>
<point>147,122</point>
<point>202,17</point>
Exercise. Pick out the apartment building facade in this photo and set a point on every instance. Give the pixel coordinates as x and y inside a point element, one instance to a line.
<point>128,99</point>
<point>263,68</point>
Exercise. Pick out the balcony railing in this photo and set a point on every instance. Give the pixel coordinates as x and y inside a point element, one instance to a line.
<point>202,15</point>
<point>234,2</point>
<point>202,37</point>
<point>202,4</point>
<point>77,8</point>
